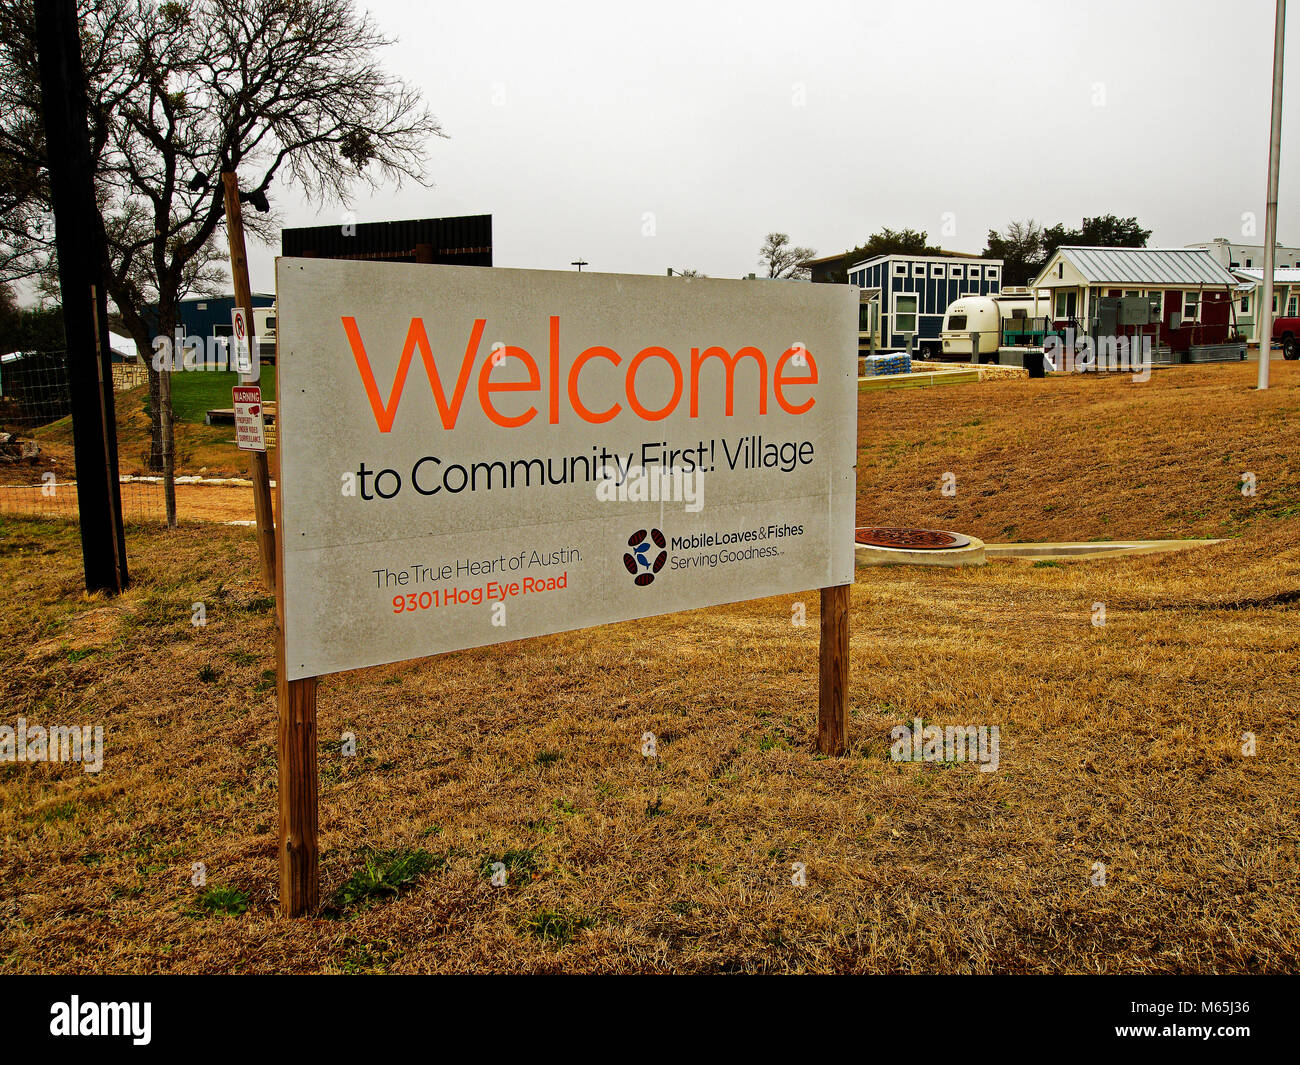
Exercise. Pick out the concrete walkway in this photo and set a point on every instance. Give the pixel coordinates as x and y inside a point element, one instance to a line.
<point>1091,549</point>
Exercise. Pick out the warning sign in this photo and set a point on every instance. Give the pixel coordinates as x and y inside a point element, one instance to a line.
<point>250,431</point>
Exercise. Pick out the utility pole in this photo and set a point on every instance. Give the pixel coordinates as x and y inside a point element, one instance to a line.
<point>1270,211</point>
<point>244,300</point>
<point>79,240</point>
<point>580,263</point>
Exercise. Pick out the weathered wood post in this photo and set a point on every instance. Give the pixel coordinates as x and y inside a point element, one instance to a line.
<point>833,672</point>
<point>296,762</point>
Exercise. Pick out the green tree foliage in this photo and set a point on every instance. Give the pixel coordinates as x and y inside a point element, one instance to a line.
<point>1025,247</point>
<point>885,242</point>
<point>28,328</point>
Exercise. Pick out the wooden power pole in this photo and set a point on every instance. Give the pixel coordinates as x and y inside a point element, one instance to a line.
<point>79,240</point>
<point>244,300</point>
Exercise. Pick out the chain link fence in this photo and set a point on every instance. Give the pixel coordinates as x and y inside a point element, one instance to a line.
<point>34,394</point>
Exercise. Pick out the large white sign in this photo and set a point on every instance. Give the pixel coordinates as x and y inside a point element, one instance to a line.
<point>473,455</point>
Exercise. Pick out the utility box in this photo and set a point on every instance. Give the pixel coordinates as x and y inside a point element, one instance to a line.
<point>1138,310</point>
<point>1108,314</point>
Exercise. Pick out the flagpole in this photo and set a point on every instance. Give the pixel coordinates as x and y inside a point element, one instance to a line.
<point>1270,213</point>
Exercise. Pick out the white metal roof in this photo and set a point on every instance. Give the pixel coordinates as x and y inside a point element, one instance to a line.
<point>950,257</point>
<point>1287,275</point>
<point>124,346</point>
<point>1146,266</point>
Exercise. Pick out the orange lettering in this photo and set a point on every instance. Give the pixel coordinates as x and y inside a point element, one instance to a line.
<point>779,380</point>
<point>486,387</point>
<point>632,401</point>
<point>578,363</point>
<point>729,361</point>
<point>415,336</point>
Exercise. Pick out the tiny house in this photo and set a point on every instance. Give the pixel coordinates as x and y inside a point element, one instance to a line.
<point>914,292</point>
<point>1192,298</point>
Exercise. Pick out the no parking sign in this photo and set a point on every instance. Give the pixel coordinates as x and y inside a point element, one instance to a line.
<point>243,347</point>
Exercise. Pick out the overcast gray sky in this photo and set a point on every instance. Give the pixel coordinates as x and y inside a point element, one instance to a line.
<point>581,127</point>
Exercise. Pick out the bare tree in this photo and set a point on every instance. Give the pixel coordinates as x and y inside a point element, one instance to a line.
<point>180,92</point>
<point>783,259</point>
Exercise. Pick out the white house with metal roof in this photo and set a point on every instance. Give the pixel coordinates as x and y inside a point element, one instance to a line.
<point>1286,297</point>
<point>1191,295</point>
<point>1249,256</point>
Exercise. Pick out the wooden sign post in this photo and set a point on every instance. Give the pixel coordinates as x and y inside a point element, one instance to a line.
<point>244,300</point>
<point>833,672</point>
<point>296,762</point>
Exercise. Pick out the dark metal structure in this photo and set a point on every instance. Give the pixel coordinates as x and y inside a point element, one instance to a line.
<point>465,240</point>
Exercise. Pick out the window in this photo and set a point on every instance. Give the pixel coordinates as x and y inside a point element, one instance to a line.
<point>973,272</point>
<point>957,321</point>
<point>991,273</point>
<point>864,317</point>
<point>900,269</point>
<point>1191,304</point>
<point>1245,304</point>
<point>1291,307</point>
<point>270,324</point>
<point>223,329</point>
<point>1060,271</point>
<point>1132,292</point>
<point>1249,264</point>
<point>904,312</point>
<point>918,269</point>
<point>1067,302</point>
<point>201,307</point>
<point>936,269</point>
<point>954,272</point>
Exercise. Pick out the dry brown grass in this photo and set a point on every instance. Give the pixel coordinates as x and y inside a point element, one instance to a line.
<point>1120,744</point>
<point>1085,457</point>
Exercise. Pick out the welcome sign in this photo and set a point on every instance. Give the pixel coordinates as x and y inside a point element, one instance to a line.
<point>473,455</point>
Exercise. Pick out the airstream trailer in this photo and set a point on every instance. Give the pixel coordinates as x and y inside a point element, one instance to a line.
<point>985,315</point>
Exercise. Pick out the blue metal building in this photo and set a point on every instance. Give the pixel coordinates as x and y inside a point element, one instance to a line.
<point>207,316</point>
<point>915,290</point>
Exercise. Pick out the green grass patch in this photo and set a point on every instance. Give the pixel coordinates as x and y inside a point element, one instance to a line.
<point>197,392</point>
<point>384,873</point>
<point>555,926</point>
<point>219,900</point>
<point>521,864</point>
<point>60,811</point>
